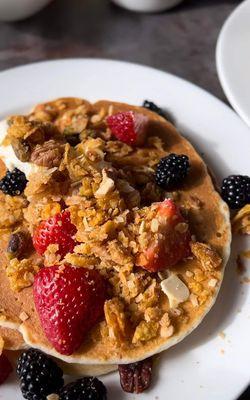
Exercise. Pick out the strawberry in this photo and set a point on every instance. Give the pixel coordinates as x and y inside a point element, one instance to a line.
<point>128,127</point>
<point>55,230</point>
<point>5,368</point>
<point>69,302</point>
<point>173,246</point>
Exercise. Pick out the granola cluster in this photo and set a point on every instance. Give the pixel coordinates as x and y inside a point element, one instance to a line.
<point>109,189</point>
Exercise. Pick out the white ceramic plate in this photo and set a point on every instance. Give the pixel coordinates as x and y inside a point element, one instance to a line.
<point>233,59</point>
<point>204,366</point>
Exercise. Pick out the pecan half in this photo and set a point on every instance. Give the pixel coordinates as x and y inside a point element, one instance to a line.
<point>48,154</point>
<point>136,377</point>
<point>18,244</point>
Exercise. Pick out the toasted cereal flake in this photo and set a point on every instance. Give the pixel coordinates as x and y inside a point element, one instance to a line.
<point>23,316</point>
<point>212,282</point>
<point>52,396</point>
<point>145,331</point>
<point>1,344</point>
<point>116,319</point>
<point>194,300</point>
<point>107,185</point>
<point>21,273</point>
<point>207,256</point>
<point>241,221</point>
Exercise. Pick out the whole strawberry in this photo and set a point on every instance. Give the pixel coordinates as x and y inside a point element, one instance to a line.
<point>69,302</point>
<point>173,244</point>
<point>5,368</point>
<point>55,230</point>
<point>128,127</point>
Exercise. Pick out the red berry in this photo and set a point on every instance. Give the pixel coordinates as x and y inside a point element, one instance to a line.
<point>55,230</point>
<point>128,127</point>
<point>174,246</point>
<point>69,302</point>
<point>5,368</point>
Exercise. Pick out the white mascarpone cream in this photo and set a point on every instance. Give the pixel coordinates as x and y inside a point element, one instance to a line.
<point>8,156</point>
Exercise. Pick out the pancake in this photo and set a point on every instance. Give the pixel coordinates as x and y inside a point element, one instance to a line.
<point>208,218</point>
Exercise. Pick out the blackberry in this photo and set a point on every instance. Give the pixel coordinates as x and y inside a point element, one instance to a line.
<point>153,107</point>
<point>13,183</point>
<point>235,190</point>
<point>39,375</point>
<point>172,170</point>
<point>87,388</point>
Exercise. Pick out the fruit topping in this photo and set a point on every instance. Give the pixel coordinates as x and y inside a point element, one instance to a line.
<point>136,377</point>
<point>153,107</point>
<point>87,388</point>
<point>235,190</point>
<point>18,244</point>
<point>13,183</point>
<point>69,301</point>
<point>171,242</point>
<point>128,127</point>
<point>39,375</point>
<point>5,368</point>
<point>55,230</point>
<point>172,170</point>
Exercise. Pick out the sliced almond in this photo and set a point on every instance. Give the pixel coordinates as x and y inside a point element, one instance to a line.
<point>176,290</point>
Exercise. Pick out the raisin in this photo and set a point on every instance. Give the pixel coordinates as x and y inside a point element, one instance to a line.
<point>18,244</point>
<point>136,377</point>
<point>21,149</point>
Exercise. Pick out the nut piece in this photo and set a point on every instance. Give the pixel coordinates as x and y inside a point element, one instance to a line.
<point>48,154</point>
<point>136,377</point>
<point>106,186</point>
<point>176,290</point>
<point>116,319</point>
<point>18,244</point>
<point>207,256</point>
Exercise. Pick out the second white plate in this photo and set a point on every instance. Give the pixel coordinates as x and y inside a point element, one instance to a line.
<point>233,59</point>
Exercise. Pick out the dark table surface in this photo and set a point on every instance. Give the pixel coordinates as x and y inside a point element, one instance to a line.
<point>181,41</point>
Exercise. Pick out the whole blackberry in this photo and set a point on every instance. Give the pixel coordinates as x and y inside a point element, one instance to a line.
<point>235,190</point>
<point>153,107</point>
<point>39,375</point>
<point>172,170</point>
<point>87,388</point>
<point>14,182</point>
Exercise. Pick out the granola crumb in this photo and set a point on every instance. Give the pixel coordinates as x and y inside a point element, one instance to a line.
<point>222,335</point>
<point>23,316</point>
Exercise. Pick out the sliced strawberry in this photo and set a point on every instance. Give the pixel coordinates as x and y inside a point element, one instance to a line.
<point>5,368</point>
<point>128,127</point>
<point>69,302</point>
<point>172,243</point>
<point>55,230</point>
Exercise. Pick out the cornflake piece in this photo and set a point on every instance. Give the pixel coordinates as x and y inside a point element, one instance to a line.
<point>145,331</point>
<point>241,221</point>
<point>21,273</point>
<point>212,283</point>
<point>207,256</point>
<point>1,344</point>
<point>194,300</point>
<point>52,396</point>
<point>116,319</point>
<point>176,291</point>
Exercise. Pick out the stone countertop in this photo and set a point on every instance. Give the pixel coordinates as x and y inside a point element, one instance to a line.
<point>181,41</point>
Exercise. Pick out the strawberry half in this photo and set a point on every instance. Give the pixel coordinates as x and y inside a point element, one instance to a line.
<point>55,230</point>
<point>172,245</point>
<point>69,302</point>
<point>128,127</point>
<point>5,368</point>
